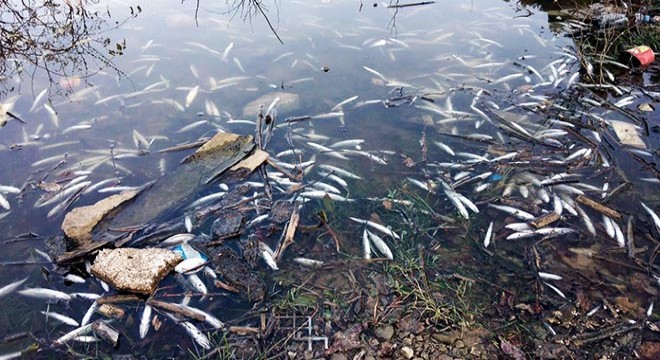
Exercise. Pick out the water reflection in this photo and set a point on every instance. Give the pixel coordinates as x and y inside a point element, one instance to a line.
<point>428,113</point>
<point>61,42</point>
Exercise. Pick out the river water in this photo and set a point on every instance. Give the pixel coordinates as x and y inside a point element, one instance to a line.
<point>407,78</point>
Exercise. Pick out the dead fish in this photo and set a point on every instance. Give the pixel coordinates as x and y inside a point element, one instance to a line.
<point>206,199</point>
<point>380,245</point>
<point>257,220</point>
<point>521,235</point>
<point>76,127</point>
<point>111,189</point>
<point>518,227</point>
<point>11,355</point>
<point>8,289</point>
<point>187,222</point>
<point>192,94</point>
<point>38,99</point>
<point>339,171</point>
<point>378,227</point>
<point>192,126</point>
<point>568,207</point>
<point>104,285</point>
<point>86,339</point>
<point>453,198</point>
<point>335,178</point>
<point>194,71</point>
<point>63,194</point>
<point>100,184</point>
<point>88,296</point>
<point>289,152</point>
<point>374,72</point>
<point>73,334</point>
<point>268,255</point>
<point>194,263</point>
<point>654,216</point>
<point>554,231</point>
<point>6,189</point>
<point>555,289</point>
<point>489,234</point>
<point>208,318</point>
<point>210,273</point>
<point>53,115</point>
<point>74,278</point>
<point>145,321</point>
<point>548,276</point>
<point>422,185</point>
<point>326,150</point>
<point>620,239</point>
<point>366,245</point>
<point>88,315</point>
<point>556,202</point>
<point>444,148</point>
<point>320,194</point>
<point>523,215</point>
<point>467,202</point>
<point>369,155</point>
<point>325,187</point>
<point>4,202</point>
<point>61,318</point>
<point>197,284</point>
<point>609,227</point>
<point>196,334</point>
<point>308,262</point>
<point>43,293</point>
<point>507,78</point>
<point>239,65</point>
<point>344,102</point>
<point>140,140</point>
<point>347,143</point>
<point>586,220</point>
<point>225,53</point>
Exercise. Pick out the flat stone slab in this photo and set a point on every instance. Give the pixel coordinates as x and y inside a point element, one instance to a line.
<point>134,270</point>
<point>79,222</point>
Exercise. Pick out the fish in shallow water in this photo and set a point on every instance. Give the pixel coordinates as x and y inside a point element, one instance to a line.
<point>8,289</point>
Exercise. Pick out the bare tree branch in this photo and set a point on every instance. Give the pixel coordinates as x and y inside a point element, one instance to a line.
<point>57,37</point>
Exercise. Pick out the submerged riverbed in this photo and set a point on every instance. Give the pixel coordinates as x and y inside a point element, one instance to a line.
<point>459,177</point>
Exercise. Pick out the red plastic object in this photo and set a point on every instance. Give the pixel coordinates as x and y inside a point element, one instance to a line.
<point>643,54</point>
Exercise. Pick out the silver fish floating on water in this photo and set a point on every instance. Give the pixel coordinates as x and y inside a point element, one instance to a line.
<point>378,227</point>
<point>43,293</point>
<point>201,339</point>
<point>145,321</point>
<point>308,262</point>
<point>61,318</point>
<point>8,289</point>
<point>380,245</point>
<point>489,235</point>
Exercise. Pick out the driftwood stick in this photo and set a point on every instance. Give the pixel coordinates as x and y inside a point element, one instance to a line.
<point>177,309</point>
<point>605,210</point>
<point>545,220</point>
<point>289,234</point>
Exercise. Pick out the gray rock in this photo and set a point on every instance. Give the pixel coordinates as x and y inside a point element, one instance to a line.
<point>338,356</point>
<point>385,332</point>
<point>407,352</point>
<point>134,270</point>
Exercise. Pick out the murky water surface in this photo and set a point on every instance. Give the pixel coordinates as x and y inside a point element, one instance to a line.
<point>405,100</point>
